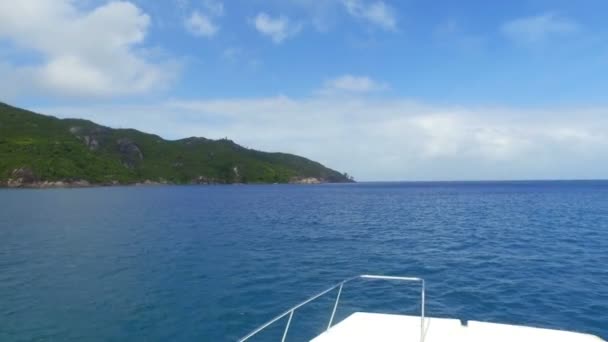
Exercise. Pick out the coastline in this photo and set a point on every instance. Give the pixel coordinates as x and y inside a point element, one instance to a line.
<point>81,183</point>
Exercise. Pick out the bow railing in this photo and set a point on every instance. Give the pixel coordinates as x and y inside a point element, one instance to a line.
<point>340,285</point>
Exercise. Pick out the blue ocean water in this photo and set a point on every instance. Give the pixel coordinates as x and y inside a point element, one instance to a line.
<point>210,263</point>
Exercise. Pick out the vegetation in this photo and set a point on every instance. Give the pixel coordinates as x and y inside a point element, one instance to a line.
<point>50,149</point>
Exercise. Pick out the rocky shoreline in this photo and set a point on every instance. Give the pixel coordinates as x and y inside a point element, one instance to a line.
<point>85,184</point>
<point>11,183</point>
<point>24,179</point>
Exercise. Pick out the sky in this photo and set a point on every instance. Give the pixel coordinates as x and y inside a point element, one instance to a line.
<point>381,89</point>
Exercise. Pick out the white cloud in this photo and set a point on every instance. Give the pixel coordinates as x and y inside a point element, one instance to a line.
<point>374,12</point>
<point>537,28</point>
<point>352,84</point>
<point>212,7</point>
<point>200,25</point>
<point>278,28</point>
<point>388,139</point>
<point>82,53</point>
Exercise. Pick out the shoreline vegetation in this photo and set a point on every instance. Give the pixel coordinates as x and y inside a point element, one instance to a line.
<point>40,151</point>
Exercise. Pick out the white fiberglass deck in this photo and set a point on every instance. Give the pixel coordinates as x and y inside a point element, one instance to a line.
<point>368,327</point>
<point>372,327</point>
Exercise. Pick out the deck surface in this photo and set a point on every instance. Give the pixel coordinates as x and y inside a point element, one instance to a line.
<point>362,326</point>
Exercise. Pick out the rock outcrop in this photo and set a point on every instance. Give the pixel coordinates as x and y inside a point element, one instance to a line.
<point>24,178</point>
<point>20,177</point>
<point>92,137</point>
<point>307,180</point>
<point>130,152</point>
<point>204,180</point>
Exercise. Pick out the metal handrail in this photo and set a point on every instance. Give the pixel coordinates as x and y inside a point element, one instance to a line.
<point>291,311</point>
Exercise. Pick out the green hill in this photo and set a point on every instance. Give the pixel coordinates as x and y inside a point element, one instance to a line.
<point>40,150</point>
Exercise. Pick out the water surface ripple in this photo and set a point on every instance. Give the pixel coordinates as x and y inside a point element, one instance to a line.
<point>211,263</point>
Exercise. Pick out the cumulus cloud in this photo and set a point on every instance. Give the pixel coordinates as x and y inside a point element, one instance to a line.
<point>80,53</point>
<point>388,139</point>
<point>375,12</point>
<point>351,84</point>
<point>537,28</point>
<point>200,25</point>
<point>277,28</point>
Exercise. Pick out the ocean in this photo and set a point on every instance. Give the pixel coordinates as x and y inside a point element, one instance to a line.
<point>211,263</point>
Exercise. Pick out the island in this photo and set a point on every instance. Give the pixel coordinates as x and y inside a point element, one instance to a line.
<point>41,151</point>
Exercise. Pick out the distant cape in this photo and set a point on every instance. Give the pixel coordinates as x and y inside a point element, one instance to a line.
<point>43,151</point>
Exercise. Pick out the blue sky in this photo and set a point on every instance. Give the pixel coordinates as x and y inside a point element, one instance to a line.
<point>386,90</point>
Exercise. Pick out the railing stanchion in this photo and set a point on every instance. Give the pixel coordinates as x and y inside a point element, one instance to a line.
<point>422,304</point>
<point>333,313</point>
<point>287,326</point>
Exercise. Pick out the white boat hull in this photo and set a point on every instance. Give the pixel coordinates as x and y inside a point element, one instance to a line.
<point>363,326</point>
